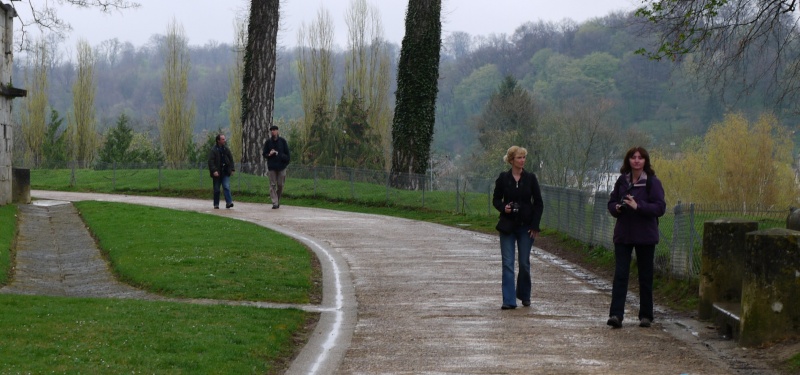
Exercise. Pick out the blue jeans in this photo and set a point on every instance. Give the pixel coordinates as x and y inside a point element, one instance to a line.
<point>225,181</point>
<point>522,241</point>
<point>644,262</point>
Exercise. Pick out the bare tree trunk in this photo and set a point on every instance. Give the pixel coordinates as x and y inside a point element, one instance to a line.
<point>258,93</point>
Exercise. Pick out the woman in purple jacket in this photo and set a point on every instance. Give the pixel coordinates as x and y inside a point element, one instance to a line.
<point>636,202</point>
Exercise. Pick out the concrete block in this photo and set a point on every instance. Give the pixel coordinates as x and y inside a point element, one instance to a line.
<point>771,287</point>
<point>722,263</point>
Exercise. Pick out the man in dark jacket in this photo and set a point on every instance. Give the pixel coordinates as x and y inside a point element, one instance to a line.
<point>220,166</point>
<point>276,151</point>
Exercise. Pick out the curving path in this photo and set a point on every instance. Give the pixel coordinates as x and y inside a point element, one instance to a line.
<point>402,296</point>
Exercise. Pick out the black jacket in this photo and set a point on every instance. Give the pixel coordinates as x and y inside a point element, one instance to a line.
<point>280,161</point>
<point>220,160</point>
<point>526,193</point>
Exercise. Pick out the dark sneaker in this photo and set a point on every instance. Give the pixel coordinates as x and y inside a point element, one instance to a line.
<point>526,303</point>
<point>229,205</point>
<point>507,307</point>
<point>216,207</point>
<point>614,322</point>
<point>274,206</point>
<point>644,322</point>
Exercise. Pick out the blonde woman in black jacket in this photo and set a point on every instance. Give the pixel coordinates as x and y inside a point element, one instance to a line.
<point>518,198</point>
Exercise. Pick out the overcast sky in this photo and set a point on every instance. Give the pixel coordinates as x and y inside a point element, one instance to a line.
<point>205,20</point>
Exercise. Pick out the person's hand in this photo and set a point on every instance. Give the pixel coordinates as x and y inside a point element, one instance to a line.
<point>533,233</point>
<point>232,172</point>
<point>508,208</point>
<point>630,202</point>
<point>216,174</point>
<point>273,152</point>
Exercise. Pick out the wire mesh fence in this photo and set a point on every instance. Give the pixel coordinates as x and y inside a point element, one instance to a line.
<point>579,214</point>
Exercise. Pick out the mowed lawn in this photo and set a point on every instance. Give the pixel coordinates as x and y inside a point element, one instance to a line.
<point>175,254</point>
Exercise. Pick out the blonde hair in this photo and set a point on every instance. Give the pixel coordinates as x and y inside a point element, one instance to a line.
<point>512,153</point>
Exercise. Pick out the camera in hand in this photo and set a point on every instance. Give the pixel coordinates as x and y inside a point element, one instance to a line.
<point>622,204</point>
<point>514,207</point>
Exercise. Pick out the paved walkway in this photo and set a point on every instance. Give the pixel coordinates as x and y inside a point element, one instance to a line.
<point>409,297</point>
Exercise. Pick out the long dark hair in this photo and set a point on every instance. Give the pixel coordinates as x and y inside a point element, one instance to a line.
<point>626,162</point>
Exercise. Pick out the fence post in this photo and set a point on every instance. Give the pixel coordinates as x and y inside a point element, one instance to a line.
<point>458,182</point>
<point>690,260</point>
<point>423,191</point>
<point>489,199</point>
<point>114,176</point>
<point>352,184</point>
<point>388,176</point>
<point>676,228</point>
<point>72,176</point>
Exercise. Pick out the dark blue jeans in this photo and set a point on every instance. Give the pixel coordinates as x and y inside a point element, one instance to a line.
<point>225,181</point>
<point>519,242</point>
<point>644,262</point>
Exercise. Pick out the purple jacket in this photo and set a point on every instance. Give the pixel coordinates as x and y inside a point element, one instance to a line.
<point>640,226</point>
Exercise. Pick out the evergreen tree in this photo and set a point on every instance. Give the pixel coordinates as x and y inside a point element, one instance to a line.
<point>118,140</point>
<point>54,148</point>
<point>417,86</point>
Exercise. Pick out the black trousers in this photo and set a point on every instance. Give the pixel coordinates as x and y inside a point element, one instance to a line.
<point>645,255</point>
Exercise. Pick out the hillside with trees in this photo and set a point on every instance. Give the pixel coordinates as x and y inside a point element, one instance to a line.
<point>575,94</point>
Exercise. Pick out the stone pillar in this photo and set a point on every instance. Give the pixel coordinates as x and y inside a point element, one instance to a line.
<point>771,287</point>
<point>7,15</point>
<point>722,262</point>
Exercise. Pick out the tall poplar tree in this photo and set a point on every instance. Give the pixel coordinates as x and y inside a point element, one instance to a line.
<point>417,76</point>
<point>33,117</point>
<point>176,116</point>
<point>367,77</point>
<point>316,75</point>
<point>258,93</point>
<point>235,91</point>
<point>82,120</point>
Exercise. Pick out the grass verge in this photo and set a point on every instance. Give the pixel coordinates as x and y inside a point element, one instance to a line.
<point>8,227</point>
<point>86,336</point>
<point>191,255</point>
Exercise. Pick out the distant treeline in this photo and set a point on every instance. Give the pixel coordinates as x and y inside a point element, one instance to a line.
<point>559,63</point>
